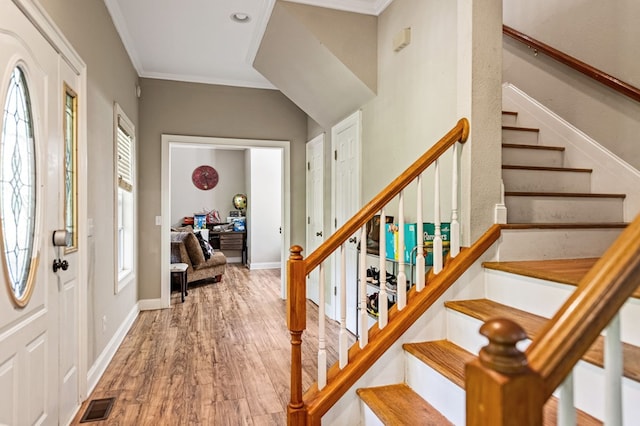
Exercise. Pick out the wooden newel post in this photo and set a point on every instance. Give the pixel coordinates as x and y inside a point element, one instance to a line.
<point>501,388</point>
<point>296,322</point>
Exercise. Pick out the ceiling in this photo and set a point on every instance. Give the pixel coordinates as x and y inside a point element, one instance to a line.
<point>198,41</point>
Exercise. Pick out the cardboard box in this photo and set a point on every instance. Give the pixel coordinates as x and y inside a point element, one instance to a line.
<point>411,241</point>
<point>429,232</point>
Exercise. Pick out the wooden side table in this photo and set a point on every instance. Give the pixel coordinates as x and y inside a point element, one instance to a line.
<point>180,270</point>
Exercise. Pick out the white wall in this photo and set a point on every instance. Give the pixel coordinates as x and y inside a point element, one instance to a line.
<point>186,199</point>
<point>265,208</point>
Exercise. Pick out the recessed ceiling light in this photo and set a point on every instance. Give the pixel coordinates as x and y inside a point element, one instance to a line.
<point>240,17</point>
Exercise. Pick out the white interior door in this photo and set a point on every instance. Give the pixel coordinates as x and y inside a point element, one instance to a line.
<point>315,209</point>
<point>31,344</point>
<point>345,141</point>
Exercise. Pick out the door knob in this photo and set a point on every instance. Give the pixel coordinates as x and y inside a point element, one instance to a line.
<point>352,240</point>
<point>319,234</point>
<point>60,264</point>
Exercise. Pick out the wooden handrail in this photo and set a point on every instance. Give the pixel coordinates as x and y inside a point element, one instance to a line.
<point>299,412</point>
<point>599,296</point>
<point>361,359</point>
<point>586,69</point>
<point>459,133</point>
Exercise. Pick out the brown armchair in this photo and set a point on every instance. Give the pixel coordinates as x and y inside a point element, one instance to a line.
<point>185,248</point>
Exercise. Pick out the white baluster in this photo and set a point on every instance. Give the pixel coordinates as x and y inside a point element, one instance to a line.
<point>613,365</point>
<point>420,273</point>
<point>382,295</point>
<point>401,289</point>
<point>322,351</point>
<point>454,228</point>
<point>566,407</point>
<point>437,237</point>
<point>364,318</point>
<point>343,349</point>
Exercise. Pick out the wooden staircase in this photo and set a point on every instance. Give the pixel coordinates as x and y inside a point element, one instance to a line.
<point>557,229</point>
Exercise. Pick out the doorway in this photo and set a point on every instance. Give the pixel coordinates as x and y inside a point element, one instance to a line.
<point>173,141</point>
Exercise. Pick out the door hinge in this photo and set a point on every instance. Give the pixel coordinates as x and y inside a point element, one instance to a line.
<point>335,154</point>
<point>308,165</point>
<point>335,222</point>
<point>335,291</point>
<point>308,220</point>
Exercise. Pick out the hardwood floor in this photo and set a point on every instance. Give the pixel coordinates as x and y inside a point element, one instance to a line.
<point>220,358</point>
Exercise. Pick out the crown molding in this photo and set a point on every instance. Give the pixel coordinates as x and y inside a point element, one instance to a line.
<point>366,7</point>
<point>121,26</point>
<point>209,80</point>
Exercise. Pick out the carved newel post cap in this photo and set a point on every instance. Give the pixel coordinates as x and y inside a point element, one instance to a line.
<point>501,354</point>
<point>296,252</point>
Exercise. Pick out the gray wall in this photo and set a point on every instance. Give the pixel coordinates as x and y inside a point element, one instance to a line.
<point>602,34</point>
<point>206,110</point>
<point>110,78</point>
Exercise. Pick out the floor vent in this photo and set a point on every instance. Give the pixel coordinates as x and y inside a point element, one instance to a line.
<point>98,409</point>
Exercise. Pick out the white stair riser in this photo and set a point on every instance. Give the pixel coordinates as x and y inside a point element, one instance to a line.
<point>532,157</point>
<point>369,417</point>
<point>442,394</point>
<point>533,295</point>
<point>589,385</point>
<point>543,209</point>
<point>544,298</point>
<point>589,379</point>
<point>541,244</point>
<point>522,180</point>
<point>630,318</point>
<point>509,119</point>
<point>519,137</point>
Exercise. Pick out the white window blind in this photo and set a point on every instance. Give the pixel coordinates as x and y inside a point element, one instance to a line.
<point>125,158</point>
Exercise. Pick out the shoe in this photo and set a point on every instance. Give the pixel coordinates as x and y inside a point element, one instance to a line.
<point>372,304</point>
<point>370,275</point>
<point>373,275</point>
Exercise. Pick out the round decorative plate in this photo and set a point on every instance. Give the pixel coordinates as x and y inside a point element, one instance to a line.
<point>204,177</point>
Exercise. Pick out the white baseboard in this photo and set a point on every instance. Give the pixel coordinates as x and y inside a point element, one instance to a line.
<point>265,265</point>
<point>150,304</point>
<point>236,259</point>
<point>100,366</point>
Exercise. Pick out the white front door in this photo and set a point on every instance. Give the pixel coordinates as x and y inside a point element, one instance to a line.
<point>38,308</point>
<point>65,179</point>
<point>345,140</point>
<point>315,207</point>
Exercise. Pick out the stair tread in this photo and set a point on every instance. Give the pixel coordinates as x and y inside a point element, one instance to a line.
<point>548,169</point>
<point>577,225</point>
<point>522,129</point>
<point>565,271</point>
<point>400,405</point>
<point>563,194</point>
<point>485,309</point>
<point>449,359</point>
<point>539,147</point>
<point>445,357</point>
<point>509,113</point>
